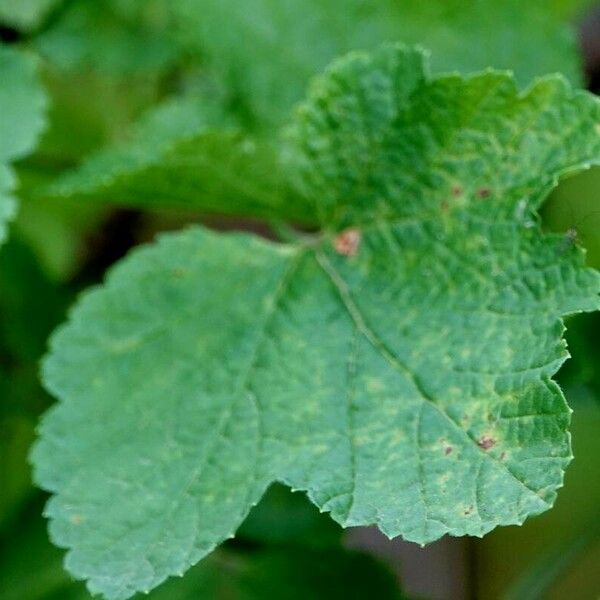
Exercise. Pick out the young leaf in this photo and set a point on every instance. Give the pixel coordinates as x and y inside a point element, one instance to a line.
<point>22,117</point>
<point>397,366</point>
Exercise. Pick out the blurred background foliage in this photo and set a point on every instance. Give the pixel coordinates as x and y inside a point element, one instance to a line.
<point>166,112</point>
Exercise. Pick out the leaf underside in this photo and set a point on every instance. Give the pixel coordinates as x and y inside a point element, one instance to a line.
<point>399,372</point>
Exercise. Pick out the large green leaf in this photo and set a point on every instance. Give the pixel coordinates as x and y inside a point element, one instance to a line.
<point>265,51</point>
<point>397,365</point>
<point>22,117</point>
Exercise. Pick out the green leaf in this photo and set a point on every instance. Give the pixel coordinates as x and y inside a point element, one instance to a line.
<point>22,104</point>
<point>178,158</point>
<point>22,118</point>
<point>8,205</point>
<point>25,14</point>
<point>94,36</point>
<point>571,8</point>
<point>398,371</point>
<point>573,207</point>
<point>296,574</point>
<point>291,40</point>
<point>210,165</point>
<point>30,307</point>
<point>403,145</point>
<point>285,518</point>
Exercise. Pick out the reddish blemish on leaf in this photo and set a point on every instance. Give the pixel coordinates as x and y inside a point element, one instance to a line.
<point>484,193</point>
<point>486,442</point>
<point>76,519</point>
<point>448,450</point>
<point>347,243</point>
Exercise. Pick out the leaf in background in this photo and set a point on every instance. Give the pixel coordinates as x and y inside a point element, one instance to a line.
<point>568,9</point>
<point>22,117</point>
<point>234,172</point>
<point>573,207</point>
<point>92,35</point>
<point>286,518</point>
<point>25,14</point>
<point>267,51</point>
<point>30,307</point>
<point>509,555</point>
<point>22,104</point>
<point>30,304</point>
<point>176,157</point>
<point>8,204</point>
<point>399,371</point>
<point>229,574</point>
<point>582,370</point>
<point>100,109</point>
<point>300,574</point>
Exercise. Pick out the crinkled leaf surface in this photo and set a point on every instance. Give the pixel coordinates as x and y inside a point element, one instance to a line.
<point>22,117</point>
<point>291,40</point>
<point>399,372</point>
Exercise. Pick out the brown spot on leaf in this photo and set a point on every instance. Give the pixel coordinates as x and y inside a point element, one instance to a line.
<point>484,193</point>
<point>468,511</point>
<point>448,450</point>
<point>445,206</point>
<point>76,519</point>
<point>457,191</point>
<point>486,442</point>
<point>347,243</point>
